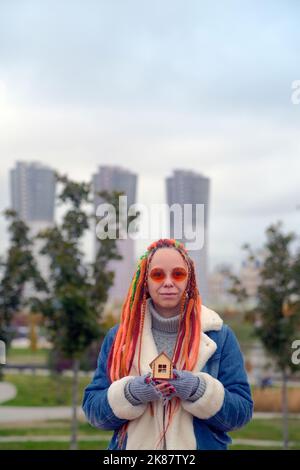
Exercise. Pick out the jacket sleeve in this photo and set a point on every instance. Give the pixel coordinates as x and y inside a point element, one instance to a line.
<point>104,403</point>
<point>226,403</point>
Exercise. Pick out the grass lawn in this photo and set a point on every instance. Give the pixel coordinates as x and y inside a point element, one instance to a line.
<point>99,438</point>
<point>91,445</point>
<point>257,429</point>
<point>52,428</point>
<point>36,390</point>
<point>27,356</point>
<point>268,429</point>
<point>265,429</point>
<point>98,445</point>
<point>247,447</point>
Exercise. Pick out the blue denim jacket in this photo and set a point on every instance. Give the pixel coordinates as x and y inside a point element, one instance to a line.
<point>226,365</point>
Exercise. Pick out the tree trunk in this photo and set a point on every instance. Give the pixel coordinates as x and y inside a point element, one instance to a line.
<point>285,411</point>
<point>74,425</point>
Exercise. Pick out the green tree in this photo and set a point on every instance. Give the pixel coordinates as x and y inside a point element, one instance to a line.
<point>277,312</point>
<point>78,290</point>
<point>18,269</point>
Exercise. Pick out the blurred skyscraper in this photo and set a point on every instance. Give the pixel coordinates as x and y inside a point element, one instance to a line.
<point>32,187</point>
<point>250,276</point>
<point>115,178</point>
<point>33,192</point>
<point>188,187</point>
<point>219,287</point>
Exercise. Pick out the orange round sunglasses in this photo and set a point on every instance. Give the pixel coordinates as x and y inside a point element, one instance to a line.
<point>159,275</point>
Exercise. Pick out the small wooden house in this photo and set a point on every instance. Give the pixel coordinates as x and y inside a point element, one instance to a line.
<point>162,367</point>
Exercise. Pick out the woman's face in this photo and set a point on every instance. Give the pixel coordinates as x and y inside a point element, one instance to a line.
<point>166,278</point>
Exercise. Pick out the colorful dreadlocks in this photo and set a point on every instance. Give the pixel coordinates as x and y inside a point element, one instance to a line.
<point>129,334</point>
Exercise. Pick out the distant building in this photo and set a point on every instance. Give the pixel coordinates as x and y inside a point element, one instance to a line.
<point>32,187</point>
<point>115,178</point>
<point>250,277</point>
<point>33,191</point>
<point>219,285</point>
<point>188,187</point>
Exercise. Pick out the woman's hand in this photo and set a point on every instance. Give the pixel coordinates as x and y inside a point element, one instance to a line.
<point>183,385</point>
<point>165,388</point>
<point>143,389</point>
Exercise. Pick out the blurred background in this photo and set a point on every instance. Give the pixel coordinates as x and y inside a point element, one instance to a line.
<point>166,103</point>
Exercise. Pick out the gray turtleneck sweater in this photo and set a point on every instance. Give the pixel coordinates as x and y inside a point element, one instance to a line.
<point>164,332</point>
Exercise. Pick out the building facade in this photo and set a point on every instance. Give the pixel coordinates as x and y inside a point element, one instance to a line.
<point>32,188</point>
<point>187,187</point>
<point>115,178</point>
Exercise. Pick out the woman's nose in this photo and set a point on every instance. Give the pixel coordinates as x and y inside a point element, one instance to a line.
<point>168,281</point>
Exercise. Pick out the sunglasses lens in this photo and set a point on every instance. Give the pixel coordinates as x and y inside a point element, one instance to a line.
<point>157,275</point>
<point>179,274</point>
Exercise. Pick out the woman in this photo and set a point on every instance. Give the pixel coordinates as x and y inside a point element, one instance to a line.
<point>208,395</point>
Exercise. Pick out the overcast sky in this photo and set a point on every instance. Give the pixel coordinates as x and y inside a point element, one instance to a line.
<point>154,86</point>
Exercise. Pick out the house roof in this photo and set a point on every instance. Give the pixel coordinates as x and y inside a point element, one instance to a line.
<point>162,354</point>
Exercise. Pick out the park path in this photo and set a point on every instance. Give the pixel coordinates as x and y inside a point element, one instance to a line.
<point>19,414</point>
<point>7,391</point>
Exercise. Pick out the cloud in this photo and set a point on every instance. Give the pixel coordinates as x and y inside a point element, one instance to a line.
<point>201,56</point>
<point>157,86</point>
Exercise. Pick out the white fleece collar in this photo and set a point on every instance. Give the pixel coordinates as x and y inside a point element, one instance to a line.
<point>210,320</point>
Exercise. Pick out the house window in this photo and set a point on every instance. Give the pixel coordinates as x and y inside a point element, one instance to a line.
<point>162,368</point>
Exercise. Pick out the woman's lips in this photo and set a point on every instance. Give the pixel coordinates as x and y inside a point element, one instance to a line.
<point>167,294</point>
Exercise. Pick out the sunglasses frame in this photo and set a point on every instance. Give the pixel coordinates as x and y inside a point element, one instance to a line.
<point>172,276</point>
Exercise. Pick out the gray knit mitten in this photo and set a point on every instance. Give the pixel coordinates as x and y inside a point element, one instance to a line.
<point>187,385</point>
<point>141,390</point>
